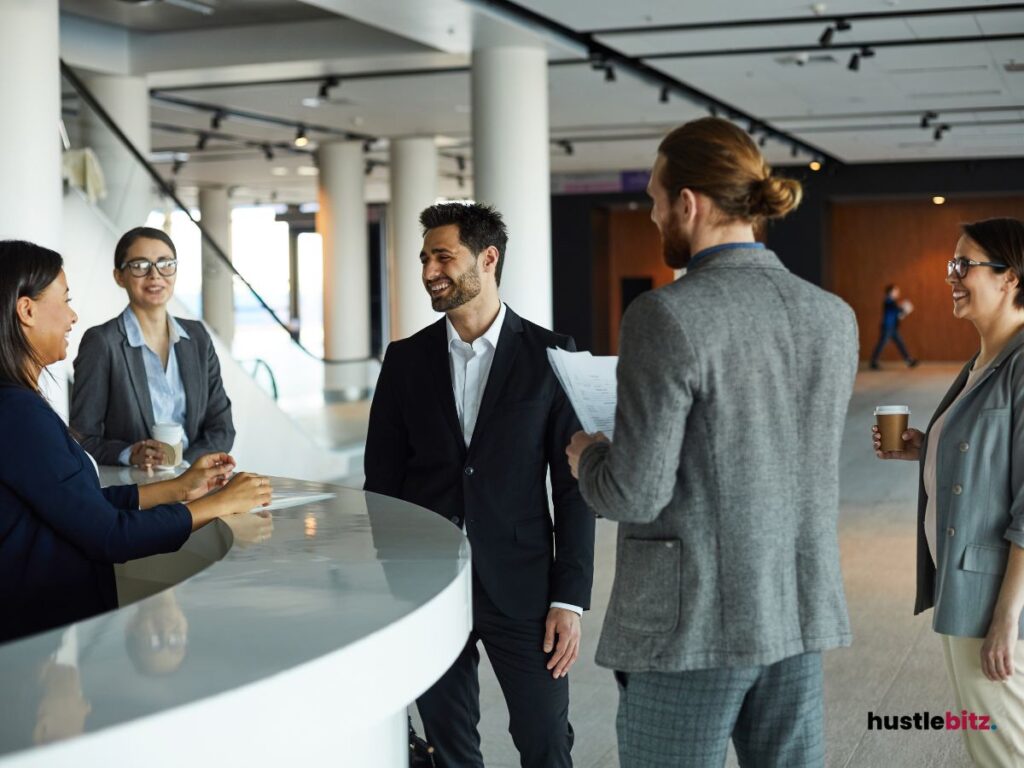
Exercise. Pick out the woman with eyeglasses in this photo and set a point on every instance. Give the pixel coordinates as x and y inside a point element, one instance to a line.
<point>970,551</point>
<point>146,367</point>
<point>60,533</point>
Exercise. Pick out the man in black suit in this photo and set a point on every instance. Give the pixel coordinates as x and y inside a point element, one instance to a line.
<point>467,419</point>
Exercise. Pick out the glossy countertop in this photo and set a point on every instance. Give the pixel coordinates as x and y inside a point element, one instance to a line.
<point>325,594</point>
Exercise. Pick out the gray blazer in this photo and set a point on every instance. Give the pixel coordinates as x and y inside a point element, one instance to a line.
<point>733,386</point>
<point>110,403</point>
<point>979,476</point>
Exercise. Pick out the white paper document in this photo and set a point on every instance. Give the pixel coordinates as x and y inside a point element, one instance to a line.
<point>589,383</point>
<point>285,499</point>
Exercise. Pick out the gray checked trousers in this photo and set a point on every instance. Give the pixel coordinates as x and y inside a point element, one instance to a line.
<point>774,715</point>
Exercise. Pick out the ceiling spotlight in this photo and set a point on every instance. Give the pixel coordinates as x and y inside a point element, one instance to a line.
<point>567,146</point>
<point>323,94</point>
<point>663,98</point>
<point>609,74</point>
<point>940,130</point>
<point>216,120</point>
<point>763,140</point>
<point>867,52</point>
<point>301,139</point>
<point>752,127</point>
<point>814,165</point>
<point>713,110</point>
<point>368,168</point>
<point>177,166</point>
<point>927,117</point>
<point>843,26</point>
<point>826,36</point>
<point>854,64</point>
<point>460,161</point>
<point>938,200</point>
<point>203,138</point>
<point>268,151</point>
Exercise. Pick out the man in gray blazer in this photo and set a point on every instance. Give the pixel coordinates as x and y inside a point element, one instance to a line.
<point>733,386</point>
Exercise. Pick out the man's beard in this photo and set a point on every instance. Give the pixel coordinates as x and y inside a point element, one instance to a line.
<point>675,248</point>
<point>465,287</point>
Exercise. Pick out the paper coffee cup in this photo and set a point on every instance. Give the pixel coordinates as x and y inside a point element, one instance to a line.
<point>172,436</point>
<point>892,421</point>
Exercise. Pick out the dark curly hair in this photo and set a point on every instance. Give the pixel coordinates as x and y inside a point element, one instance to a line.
<point>480,226</point>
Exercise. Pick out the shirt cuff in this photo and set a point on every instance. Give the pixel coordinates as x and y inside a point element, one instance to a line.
<point>124,458</point>
<point>569,607</point>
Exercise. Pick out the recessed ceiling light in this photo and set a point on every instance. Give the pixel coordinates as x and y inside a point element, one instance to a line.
<point>938,199</point>
<point>814,165</point>
<point>308,170</point>
<point>311,101</point>
<point>279,170</point>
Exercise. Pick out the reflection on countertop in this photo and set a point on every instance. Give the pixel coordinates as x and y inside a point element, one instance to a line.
<point>264,593</point>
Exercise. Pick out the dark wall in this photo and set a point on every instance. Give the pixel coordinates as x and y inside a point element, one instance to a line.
<point>800,240</point>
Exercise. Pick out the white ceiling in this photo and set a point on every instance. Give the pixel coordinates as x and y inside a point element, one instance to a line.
<point>822,103</point>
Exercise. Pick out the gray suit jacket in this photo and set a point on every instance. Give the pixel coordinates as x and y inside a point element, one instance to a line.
<point>979,475</point>
<point>110,402</point>
<point>733,386</point>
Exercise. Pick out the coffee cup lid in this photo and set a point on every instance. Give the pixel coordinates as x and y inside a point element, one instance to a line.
<point>890,410</point>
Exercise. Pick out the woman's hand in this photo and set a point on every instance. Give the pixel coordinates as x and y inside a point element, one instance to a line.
<point>998,648</point>
<point>245,491</point>
<point>208,472</point>
<point>147,453</point>
<point>913,439</point>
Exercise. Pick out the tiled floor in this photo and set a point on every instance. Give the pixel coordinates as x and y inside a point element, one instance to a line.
<point>895,664</point>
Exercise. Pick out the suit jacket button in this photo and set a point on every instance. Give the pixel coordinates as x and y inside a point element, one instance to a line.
<point>951,531</point>
<point>469,471</point>
<point>958,489</point>
<point>964,447</point>
<point>455,519</point>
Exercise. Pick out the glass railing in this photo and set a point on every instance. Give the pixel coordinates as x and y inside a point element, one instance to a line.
<point>125,189</point>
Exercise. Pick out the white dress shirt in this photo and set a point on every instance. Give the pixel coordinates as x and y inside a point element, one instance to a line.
<point>470,367</point>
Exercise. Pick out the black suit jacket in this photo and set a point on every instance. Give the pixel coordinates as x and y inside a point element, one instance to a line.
<point>110,403</point>
<point>415,451</point>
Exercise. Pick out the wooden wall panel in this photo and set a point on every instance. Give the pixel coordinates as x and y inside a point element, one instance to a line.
<point>634,250</point>
<point>907,243</point>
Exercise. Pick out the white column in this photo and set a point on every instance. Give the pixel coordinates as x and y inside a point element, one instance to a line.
<point>30,151</point>
<point>342,223</point>
<point>218,284</point>
<point>125,99</point>
<point>413,188</point>
<point>511,168</point>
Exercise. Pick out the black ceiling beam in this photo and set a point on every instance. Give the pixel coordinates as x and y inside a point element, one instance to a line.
<point>811,48</point>
<point>232,138</point>
<point>899,113</point>
<point>599,51</point>
<point>814,20</point>
<point>311,80</point>
<point>904,126</point>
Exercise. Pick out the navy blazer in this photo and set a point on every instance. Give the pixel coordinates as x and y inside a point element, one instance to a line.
<point>110,404</point>
<point>415,451</point>
<point>60,533</point>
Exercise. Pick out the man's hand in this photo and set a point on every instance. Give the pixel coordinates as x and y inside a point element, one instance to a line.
<point>580,442</point>
<point>147,453</point>
<point>565,624</point>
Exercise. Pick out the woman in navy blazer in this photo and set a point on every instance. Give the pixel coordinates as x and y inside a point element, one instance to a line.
<point>60,533</point>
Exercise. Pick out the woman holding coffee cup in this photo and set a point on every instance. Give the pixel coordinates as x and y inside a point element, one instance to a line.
<point>60,533</point>
<point>145,370</point>
<point>971,505</point>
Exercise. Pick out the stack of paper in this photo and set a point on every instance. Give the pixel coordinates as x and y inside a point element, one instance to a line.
<point>285,499</point>
<point>589,383</point>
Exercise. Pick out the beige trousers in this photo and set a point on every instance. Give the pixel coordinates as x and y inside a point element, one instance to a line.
<point>1002,702</point>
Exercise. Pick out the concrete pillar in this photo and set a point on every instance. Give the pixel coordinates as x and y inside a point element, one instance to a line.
<point>341,222</point>
<point>30,150</point>
<point>294,322</point>
<point>218,284</point>
<point>511,167</point>
<point>413,188</point>
<point>130,190</point>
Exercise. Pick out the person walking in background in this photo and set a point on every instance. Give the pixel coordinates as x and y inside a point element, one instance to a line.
<point>892,312</point>
<point>147,367</point>
<point>970,509</point>
<point>733,386</point>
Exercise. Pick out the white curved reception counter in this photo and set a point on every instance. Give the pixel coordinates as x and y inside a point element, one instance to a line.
<point>295,637</point>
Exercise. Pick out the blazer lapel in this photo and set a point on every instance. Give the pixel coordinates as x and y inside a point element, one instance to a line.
<point>441,374</point>
<point>137,374</point>
<point>187,355</point>
<point>509,342</point>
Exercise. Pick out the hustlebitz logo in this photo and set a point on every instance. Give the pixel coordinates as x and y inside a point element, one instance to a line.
<point>925,721</point>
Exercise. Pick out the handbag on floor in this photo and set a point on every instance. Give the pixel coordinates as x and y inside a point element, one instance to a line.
<point>421,754</point>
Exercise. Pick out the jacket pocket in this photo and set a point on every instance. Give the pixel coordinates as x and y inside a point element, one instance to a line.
<point>985,558</point>
<point>646,597</point>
